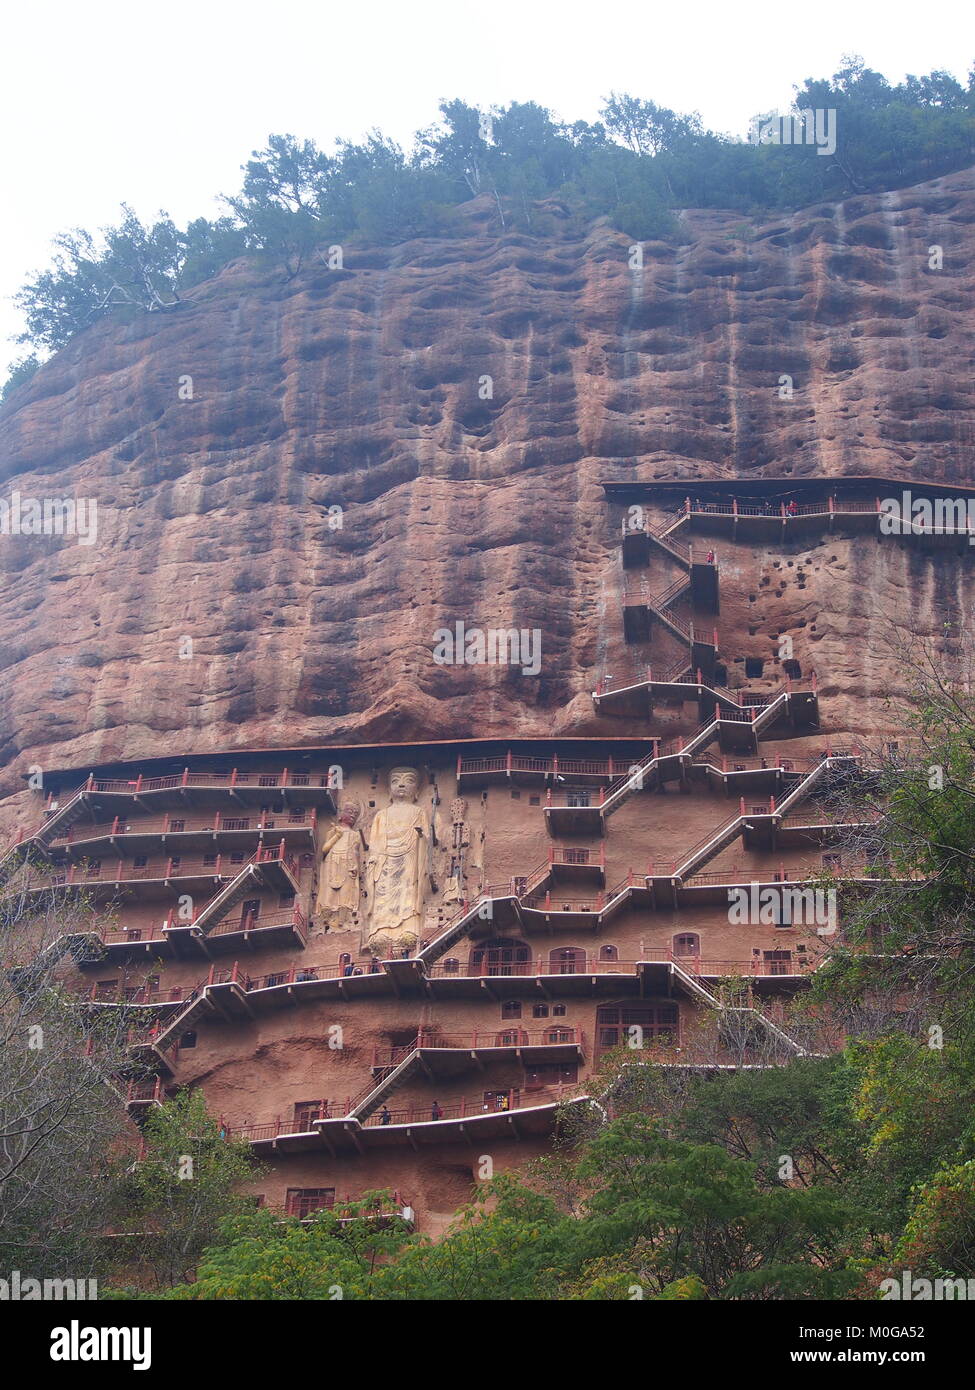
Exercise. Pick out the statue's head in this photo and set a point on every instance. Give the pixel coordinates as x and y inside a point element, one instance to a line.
<point>404,784</point>
<point>349,813</point>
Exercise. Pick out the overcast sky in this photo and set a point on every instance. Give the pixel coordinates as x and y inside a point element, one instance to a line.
<point>158,105</point>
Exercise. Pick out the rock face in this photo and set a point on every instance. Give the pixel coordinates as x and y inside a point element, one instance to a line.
<point>461,401</point>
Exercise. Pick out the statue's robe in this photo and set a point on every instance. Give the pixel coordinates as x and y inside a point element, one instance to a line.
<point>397,870</point>
<point>339,884</point>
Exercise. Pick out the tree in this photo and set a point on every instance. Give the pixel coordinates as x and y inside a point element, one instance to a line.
<point>333,1256</point>
<point>136,268</point>
<point>181,1189</point>
<point>63,1127</point>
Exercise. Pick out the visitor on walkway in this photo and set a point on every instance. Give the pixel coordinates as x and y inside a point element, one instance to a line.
<point>385,1118</point>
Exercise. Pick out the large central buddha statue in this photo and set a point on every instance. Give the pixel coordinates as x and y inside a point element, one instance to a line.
<point>398,867</point>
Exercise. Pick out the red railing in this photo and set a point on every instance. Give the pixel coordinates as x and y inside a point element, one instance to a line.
<point>295,919</point>
<point>555,1036</point>
<point>541,965</point>
<point>467,1108</point>
<point>303,817</point>
<point>142,1092</point>
<point>137,786</point>
<point>679,586</point>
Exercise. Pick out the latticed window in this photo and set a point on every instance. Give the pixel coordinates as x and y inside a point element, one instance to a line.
<point>559,1035</point>
<point>500,957</point>
<point>304,1201</point>
<point>568,960</point>
<point>307,1111</point>
<point>551,1074</point>
<point>511,1037</point>
<point>633,1024</point>
<point>688,943</point>
<point>511,1008</point>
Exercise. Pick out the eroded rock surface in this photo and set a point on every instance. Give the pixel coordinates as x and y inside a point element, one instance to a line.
<point>362,389</point>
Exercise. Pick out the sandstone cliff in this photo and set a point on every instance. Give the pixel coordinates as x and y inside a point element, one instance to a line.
<point>362,389</point>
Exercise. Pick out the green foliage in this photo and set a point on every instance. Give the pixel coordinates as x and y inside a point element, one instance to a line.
<point>20,373</point>
<point>182,1188</point>
<point>331,1256</point>
<point>661,1219</point>
<point>635,166</point>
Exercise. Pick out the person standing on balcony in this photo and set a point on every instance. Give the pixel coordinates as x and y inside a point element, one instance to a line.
<point>385,1118</point>
<point>436,1111</point>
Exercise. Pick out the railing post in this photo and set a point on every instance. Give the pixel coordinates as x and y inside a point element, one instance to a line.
<point>233,778</point>
<point>138,784</point>
<point>508,763</point>
<point>186,776</point>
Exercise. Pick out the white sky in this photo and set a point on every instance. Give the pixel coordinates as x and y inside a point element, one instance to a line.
<point>107,101</point>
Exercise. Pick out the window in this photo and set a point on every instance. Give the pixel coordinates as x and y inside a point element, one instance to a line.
<point>187,1040</point>
<point>688,943</point>
<point>237,857</point>
<point>579,796</point>
<point>303,1201</point>
<point>106,989</point>
<point>177,825</point>
<point>792,668</point>
<point>614,1022</point>
<point>500,956</point>
<point>209,860</point>
<point>560,1035</point>
<point>511,1008</point>
<point>567,960</point>
<point>539,1011</point>
<point>279,979</point>
<point>307,1111</point>
<point>286,900</point>
<point>558,1011</point>
<point>534,801</point>
<point>515,794</point>
<point>140,861</point>
<point>754,666</point>
<point>551,1074</point>
<point>511,1037</point>
<point>608,953</point>
<point>249,912</point>
<point>778,962</point>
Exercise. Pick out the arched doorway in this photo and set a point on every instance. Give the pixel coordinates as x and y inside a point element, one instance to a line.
<point>567,960</point>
